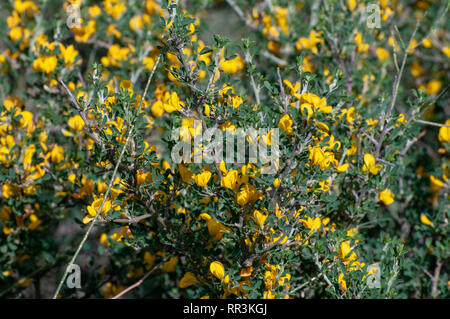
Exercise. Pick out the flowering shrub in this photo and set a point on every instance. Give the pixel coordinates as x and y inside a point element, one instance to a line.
<point>354,94</point>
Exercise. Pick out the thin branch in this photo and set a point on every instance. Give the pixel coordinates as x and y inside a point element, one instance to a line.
<point>394,94</point>
<point>138,283</point>
<point>274,58</point>
<point>412,142</point>
<point>385,162</point>
<point>284,99</point>
<point>241,15</point>
<point>434,289</point>
<point>319,265</point>
<point>370,138</point>
<point>431,123</point>
<point>133,220</point>
<point>91,226</point>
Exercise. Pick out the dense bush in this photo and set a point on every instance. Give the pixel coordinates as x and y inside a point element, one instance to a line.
<point>93,94</point>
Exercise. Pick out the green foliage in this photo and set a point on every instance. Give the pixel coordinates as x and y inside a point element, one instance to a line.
<point>91,113</point>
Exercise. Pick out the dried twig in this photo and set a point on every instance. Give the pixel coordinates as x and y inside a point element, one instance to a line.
<point>138,283</point>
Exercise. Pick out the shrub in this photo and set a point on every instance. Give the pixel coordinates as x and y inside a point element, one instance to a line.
<point>350,96</point>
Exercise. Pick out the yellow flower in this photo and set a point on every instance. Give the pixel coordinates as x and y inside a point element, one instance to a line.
<point>259,217</point>
<point>84,32</point>
<point>343,168</point>
<point>7,230</point>
<point>114,8</point>
<point>285,124</point>
<point>386,196</point>
<point>137,22</point>
<point>276,182</point>
<point>76,123</point>
<point>371,122</point>
<point>115,55</point>
<point>19,33</point>
<point>149,259</point>
<point>169,266</point>
<point>190,127</point>
<point>246,272</point>
<point>26,120</point>
<point>151,6</point>
<point>56,155</point>
<point>7,273</point>
<point>188,279</point>
<point>345,252</point>
<point>46,64</point>
<point>217,269</point>
<point>416,69</point>
<point>382,54</point>
<point>232,66</point>
<point>158,109</point>
<point>247,194</point>
<point>349,113</point>
<point>8,190</point>
<point>316,155</point>
<point>369,164</point>
<point>215,228</point>
<point>425,220</point>
<point>294,89</point>
<point>433,87</point>
<point>186,174</point>
<point>412,46</point>
<point>236,101</point>
<point>230,180</point>
<point>435,184</point>
<point>341,281</point>
<point>94,11</point>
<point>111,30</point>
<point>351,4</point>
<point>95,206</point>
<point>360,45</point>
<point>402,119</point>
<point>149,63</point>
<point>202,179</point>
<point>174,103</point>
<point>310,43</point>
<point>111,290</point>
<point>427,43</point>
<point>5,213</point>
<point>307,110</point>
<point>444,133</point>
<point>446,51</point>
<point>104,240</point>
<point>68,54</point>
<point>34,222</point>
<point>312,224</point>
<point>25,6</point>
<point>28,157</point>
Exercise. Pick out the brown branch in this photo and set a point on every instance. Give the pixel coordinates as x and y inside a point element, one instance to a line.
<point>138,283</point>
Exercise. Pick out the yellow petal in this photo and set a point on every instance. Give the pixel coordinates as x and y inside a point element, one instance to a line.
<point>188,279</point>
<point>425,220</point>
<point>217,269</point>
